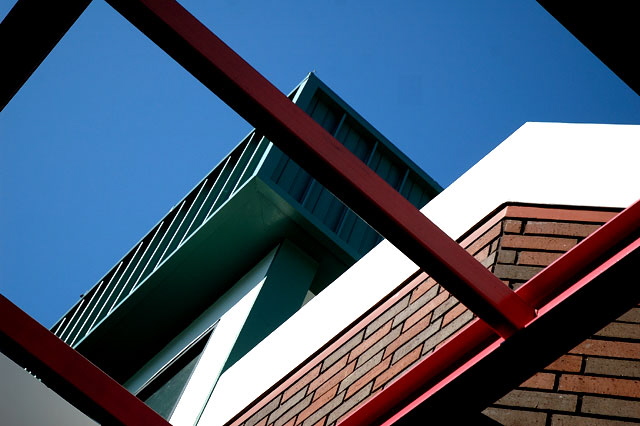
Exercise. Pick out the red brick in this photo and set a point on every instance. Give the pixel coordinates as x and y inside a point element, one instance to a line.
<point>262,422</point>
<point>608,349</point>
<point>512,226</point>
<point>417,316</point>
<point>390,313</point>
<point>556,228</point>
<point>558,214</point>
<point>506,256</point>
<point>621,330</point>
<point>444,307</point>
<point>490,260</point>
<point>600,385</point>
<point>324,410</point>
<point>328,373</point>
<point>415,306</point>
<point>485,239</point>
<point>516,272</point>
<point>633,315</point>
<point>397,368</point>
<point>263,411</point>
<point>447,333</point>
<point>508,417</point>
<point>538,243</point>
<point>575,420</point>
<point>286,412</point>
<point>290,422</point>
<point>570,363</point>
<point>422,289</point>
<point>317,403</point>
<point>538,258</point>
<point>348,404</point>
<point>343,349</point>
<point>453,314</point>
<point>336,379</point>
<point>407,335</point>
<point>369,341</point>
<point>540,400</point>
<point>378,347</point>
<point>426,309</point>
<point>540,381</point>
<point>421,338</point>
<point>613,367</point>
<point>362,381</point>
<point>360,371</point>
<point>482,254</point>
<point>302,382</point>
<point>611,407</point>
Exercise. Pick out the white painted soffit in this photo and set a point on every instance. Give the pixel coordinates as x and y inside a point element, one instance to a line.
<point>554,163</point>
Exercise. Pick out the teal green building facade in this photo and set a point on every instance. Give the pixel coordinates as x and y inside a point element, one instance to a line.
<point>250,244</point>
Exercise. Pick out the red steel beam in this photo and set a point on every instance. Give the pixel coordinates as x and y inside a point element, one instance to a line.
<point>260,103</point>
<point>226,74</point>
<point>68,373</point>
<point>31,29</point>
<point>469,363</point>
<point>584,308</point>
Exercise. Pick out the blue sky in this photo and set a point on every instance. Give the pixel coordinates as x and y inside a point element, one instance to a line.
<point>109,132</point>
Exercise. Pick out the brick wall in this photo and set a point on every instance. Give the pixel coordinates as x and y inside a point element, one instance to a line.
<point>420,315</point>
<point>596,383</point>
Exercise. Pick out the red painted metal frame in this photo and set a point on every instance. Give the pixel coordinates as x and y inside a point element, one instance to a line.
<point>221,70</point>
<point>225,73</point>
<point>68,373</point>
<point>553,286</point>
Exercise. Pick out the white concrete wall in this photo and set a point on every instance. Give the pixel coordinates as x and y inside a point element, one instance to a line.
<point>578,164</point>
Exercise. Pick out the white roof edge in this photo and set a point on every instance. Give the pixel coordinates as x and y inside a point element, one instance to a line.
<point>547,163</point>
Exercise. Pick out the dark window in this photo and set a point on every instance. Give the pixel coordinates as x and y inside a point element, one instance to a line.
<point>163,390</point>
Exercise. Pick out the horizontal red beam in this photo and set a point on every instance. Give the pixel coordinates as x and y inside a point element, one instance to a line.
<point>473,351</point>
<point>225,73</point>
<point>68,373</point>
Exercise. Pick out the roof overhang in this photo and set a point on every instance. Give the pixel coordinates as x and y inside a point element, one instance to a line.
<point>242,231</point>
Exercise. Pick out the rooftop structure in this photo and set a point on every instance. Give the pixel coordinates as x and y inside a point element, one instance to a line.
<point>529,322</point>
<point>257,219</point>
<point>510,174</point>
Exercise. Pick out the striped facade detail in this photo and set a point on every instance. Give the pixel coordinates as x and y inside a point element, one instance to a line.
<point>257,157</point>
<point>173,231</point>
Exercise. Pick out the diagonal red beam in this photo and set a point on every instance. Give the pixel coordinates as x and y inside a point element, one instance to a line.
<point>576,285</point>
<point>68,373</point>
<point>554,332</point>
<point>31,29</point>
<point>226,74</point>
